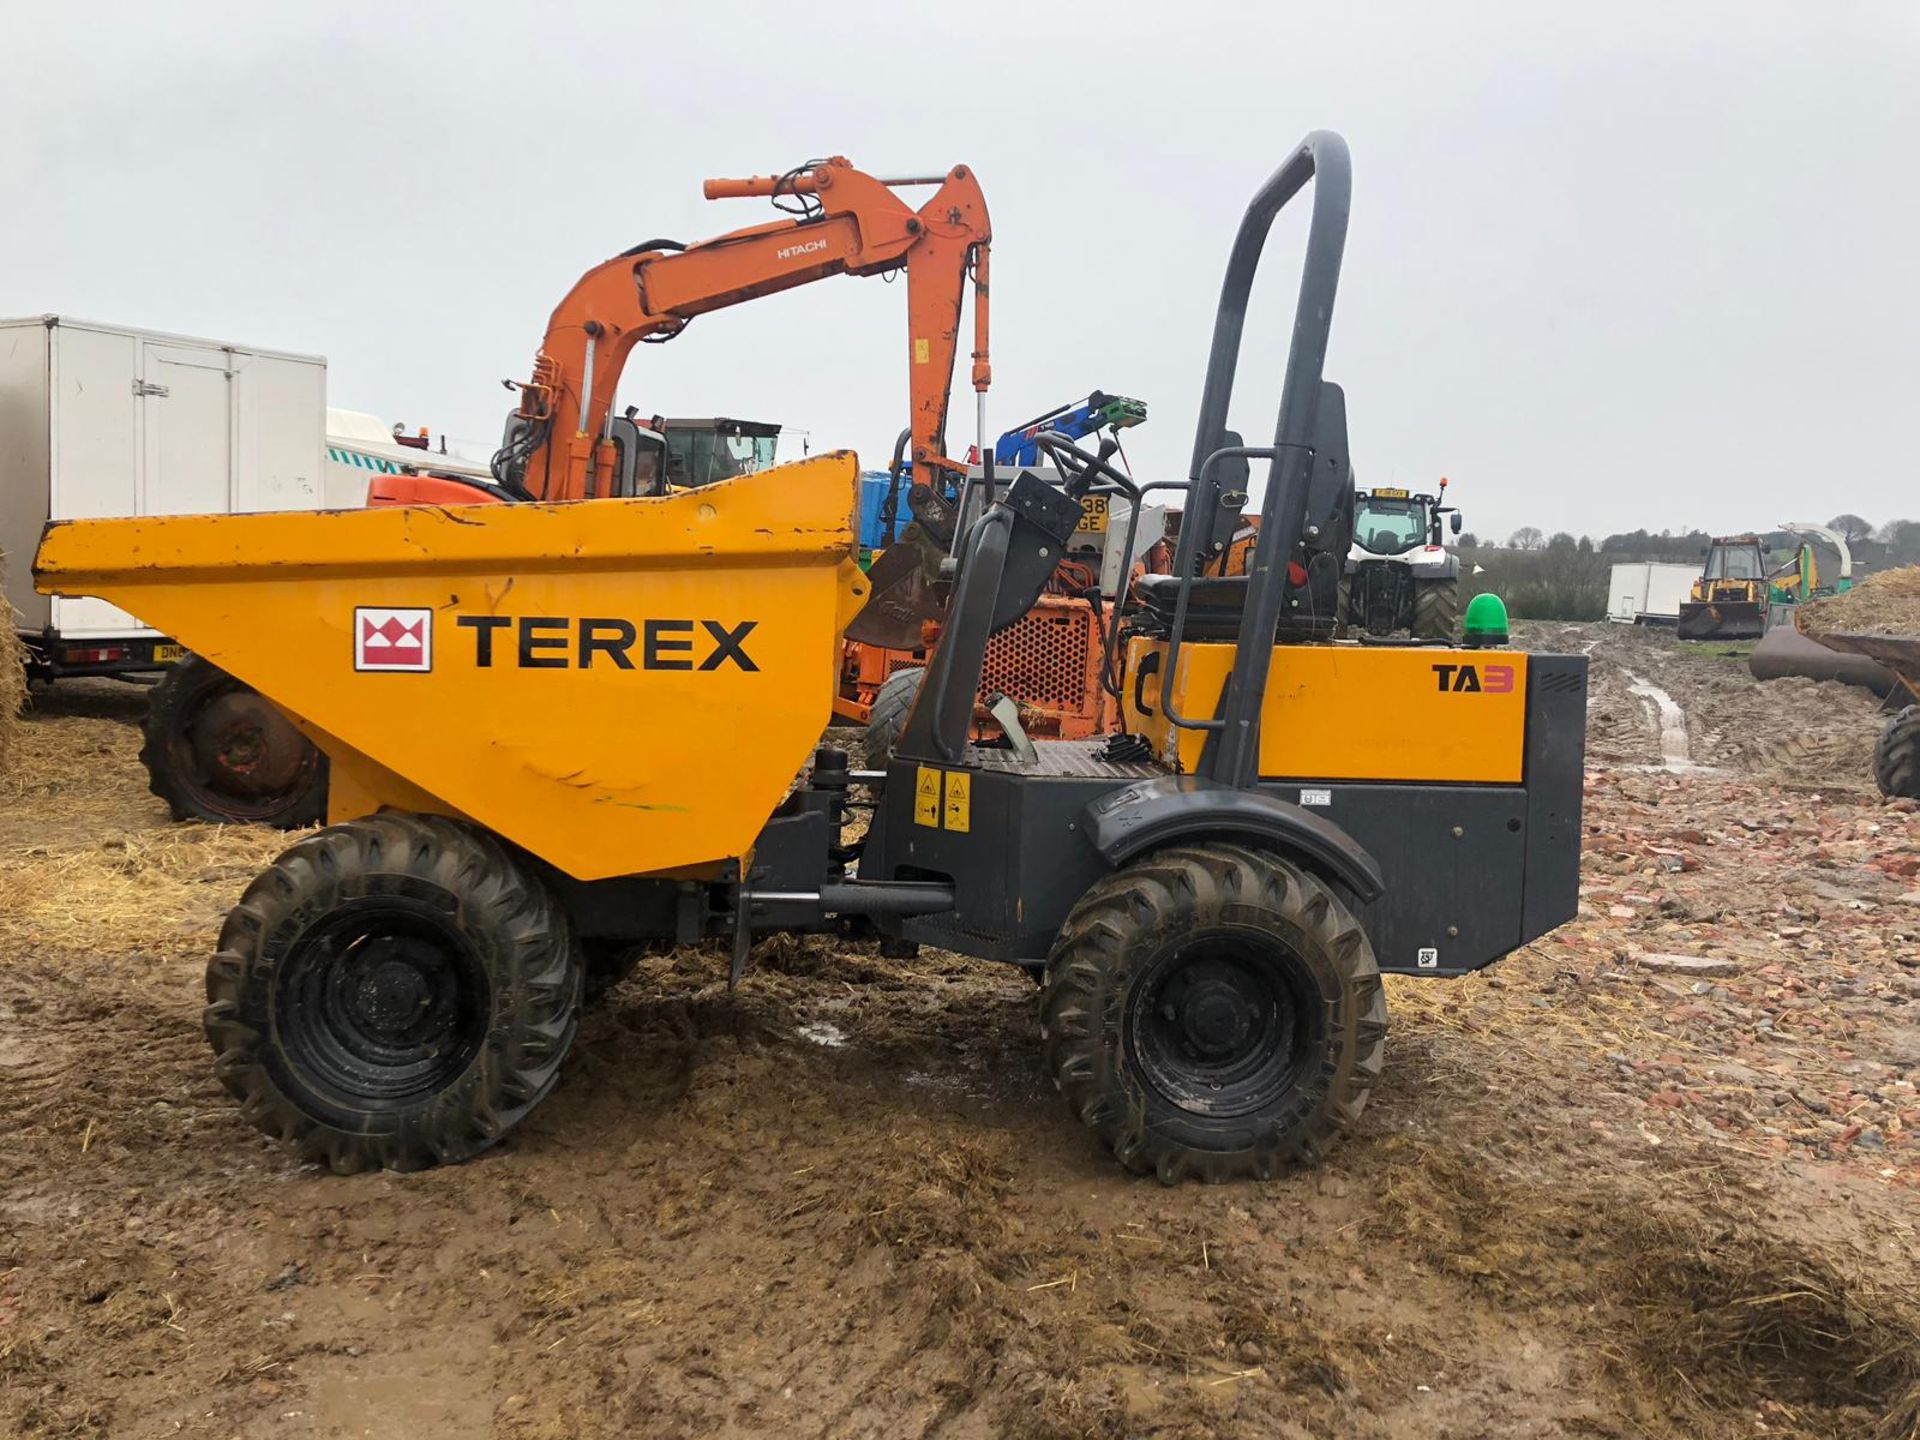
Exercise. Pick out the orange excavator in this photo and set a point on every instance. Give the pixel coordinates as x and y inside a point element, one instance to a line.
<point>563,440</point>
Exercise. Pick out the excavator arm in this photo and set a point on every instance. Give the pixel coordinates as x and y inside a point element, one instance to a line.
<point>560,442</point>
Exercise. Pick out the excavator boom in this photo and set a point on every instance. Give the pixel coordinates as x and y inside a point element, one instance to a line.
<point>561,441</point>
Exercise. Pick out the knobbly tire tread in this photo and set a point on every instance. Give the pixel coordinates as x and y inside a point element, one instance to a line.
<point>531,958</point>
<point>891,705</point>
<point>1436,609</point>
<point>168,705</point>
<point>1117,927</point>
<point>1896,756</point>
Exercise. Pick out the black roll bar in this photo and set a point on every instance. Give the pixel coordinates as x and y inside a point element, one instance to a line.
<point>1232,754</point>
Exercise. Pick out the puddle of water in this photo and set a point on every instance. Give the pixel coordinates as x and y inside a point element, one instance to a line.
<point>821,1033</point>
<point>1671,721</point>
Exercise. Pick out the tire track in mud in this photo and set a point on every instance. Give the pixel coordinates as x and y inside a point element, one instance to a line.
<point>1667,707</point>
<point>1669,723</point>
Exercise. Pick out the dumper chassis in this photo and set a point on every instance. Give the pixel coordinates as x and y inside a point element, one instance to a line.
<point>1210,900</point>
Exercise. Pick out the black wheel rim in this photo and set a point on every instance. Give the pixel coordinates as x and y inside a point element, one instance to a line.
<point>381,1003</point>
<point>239,756</point>
<point>1223,1023</point>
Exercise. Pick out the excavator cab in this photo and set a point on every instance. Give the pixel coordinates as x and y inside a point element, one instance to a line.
<point>700,452</point>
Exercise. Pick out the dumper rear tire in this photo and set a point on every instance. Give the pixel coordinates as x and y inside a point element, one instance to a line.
<point>217,749</point>
<point>396,992</point>
<point>1896,758</point>
<point>1214,1011</point>
<point>892,703</point>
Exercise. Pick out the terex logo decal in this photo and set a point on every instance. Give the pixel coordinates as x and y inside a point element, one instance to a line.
<point>559,642</point>
<point>790,251</point>
<point>1475,679</point>
<point>385,639</point>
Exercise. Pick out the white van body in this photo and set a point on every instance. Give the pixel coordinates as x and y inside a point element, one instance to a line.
<point>108,420</point>
<point>1649,592</point>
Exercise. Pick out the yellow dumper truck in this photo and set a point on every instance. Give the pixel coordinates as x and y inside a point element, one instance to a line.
<point>558,729</point>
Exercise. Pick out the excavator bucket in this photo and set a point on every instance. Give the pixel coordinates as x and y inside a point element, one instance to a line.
<point>616,686</point>
<point>906,593</point>
<point>1721,620</point>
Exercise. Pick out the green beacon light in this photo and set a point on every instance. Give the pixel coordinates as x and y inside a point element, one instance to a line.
<point>1485,623</point>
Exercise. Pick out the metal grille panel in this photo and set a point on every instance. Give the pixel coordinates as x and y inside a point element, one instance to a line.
<point>1041,659</point>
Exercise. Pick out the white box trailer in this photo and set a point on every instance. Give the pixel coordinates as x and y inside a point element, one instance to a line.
<point>1649,592</point>
<point>107,420</point>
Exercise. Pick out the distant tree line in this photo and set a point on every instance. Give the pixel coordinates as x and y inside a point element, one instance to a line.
<point>1565,577</point>
<point>1895,543</point>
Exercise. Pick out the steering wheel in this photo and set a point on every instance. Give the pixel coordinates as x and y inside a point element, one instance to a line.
<point>1080,469</point>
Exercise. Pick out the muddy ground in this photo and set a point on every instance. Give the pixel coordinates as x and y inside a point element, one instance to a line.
<point>1601,1192</point>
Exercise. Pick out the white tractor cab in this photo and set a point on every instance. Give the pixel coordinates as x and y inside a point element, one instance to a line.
<point>1400,574</point>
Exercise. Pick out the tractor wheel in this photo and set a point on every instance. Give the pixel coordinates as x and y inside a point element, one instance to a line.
<point>891,705</point>
<point>396,991</point>
<point>1214,1010</point>
<point>217,749</point>
<point>1343,597</point>
<point>1436,610</point>
<point>1896,759</point>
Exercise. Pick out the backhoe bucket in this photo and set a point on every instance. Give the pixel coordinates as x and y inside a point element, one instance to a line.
<point>1721,620</point>
<point>617,686</point>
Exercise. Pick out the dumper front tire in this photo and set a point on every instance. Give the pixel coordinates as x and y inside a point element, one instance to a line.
<point>1214,1011</point>
<point>217,749</point>
<point>396,992</point>
<point>1896,758</point>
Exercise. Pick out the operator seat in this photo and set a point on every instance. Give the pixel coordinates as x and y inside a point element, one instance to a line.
<point>1216,602</point>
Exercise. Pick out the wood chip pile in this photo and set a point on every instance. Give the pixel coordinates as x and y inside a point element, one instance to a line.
<point>1884,604</point>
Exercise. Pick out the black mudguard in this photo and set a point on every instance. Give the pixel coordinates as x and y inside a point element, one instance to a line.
<point>1145,816</point>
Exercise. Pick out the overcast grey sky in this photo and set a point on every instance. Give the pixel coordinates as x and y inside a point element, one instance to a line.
<point>1609,266</point>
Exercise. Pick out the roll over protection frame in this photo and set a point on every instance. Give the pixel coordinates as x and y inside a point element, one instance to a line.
<point>1231,755</point>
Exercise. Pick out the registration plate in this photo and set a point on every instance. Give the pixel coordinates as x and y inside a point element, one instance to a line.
<point>169,652</point>
<point>1385,494</point>
<point>1093,515</point>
